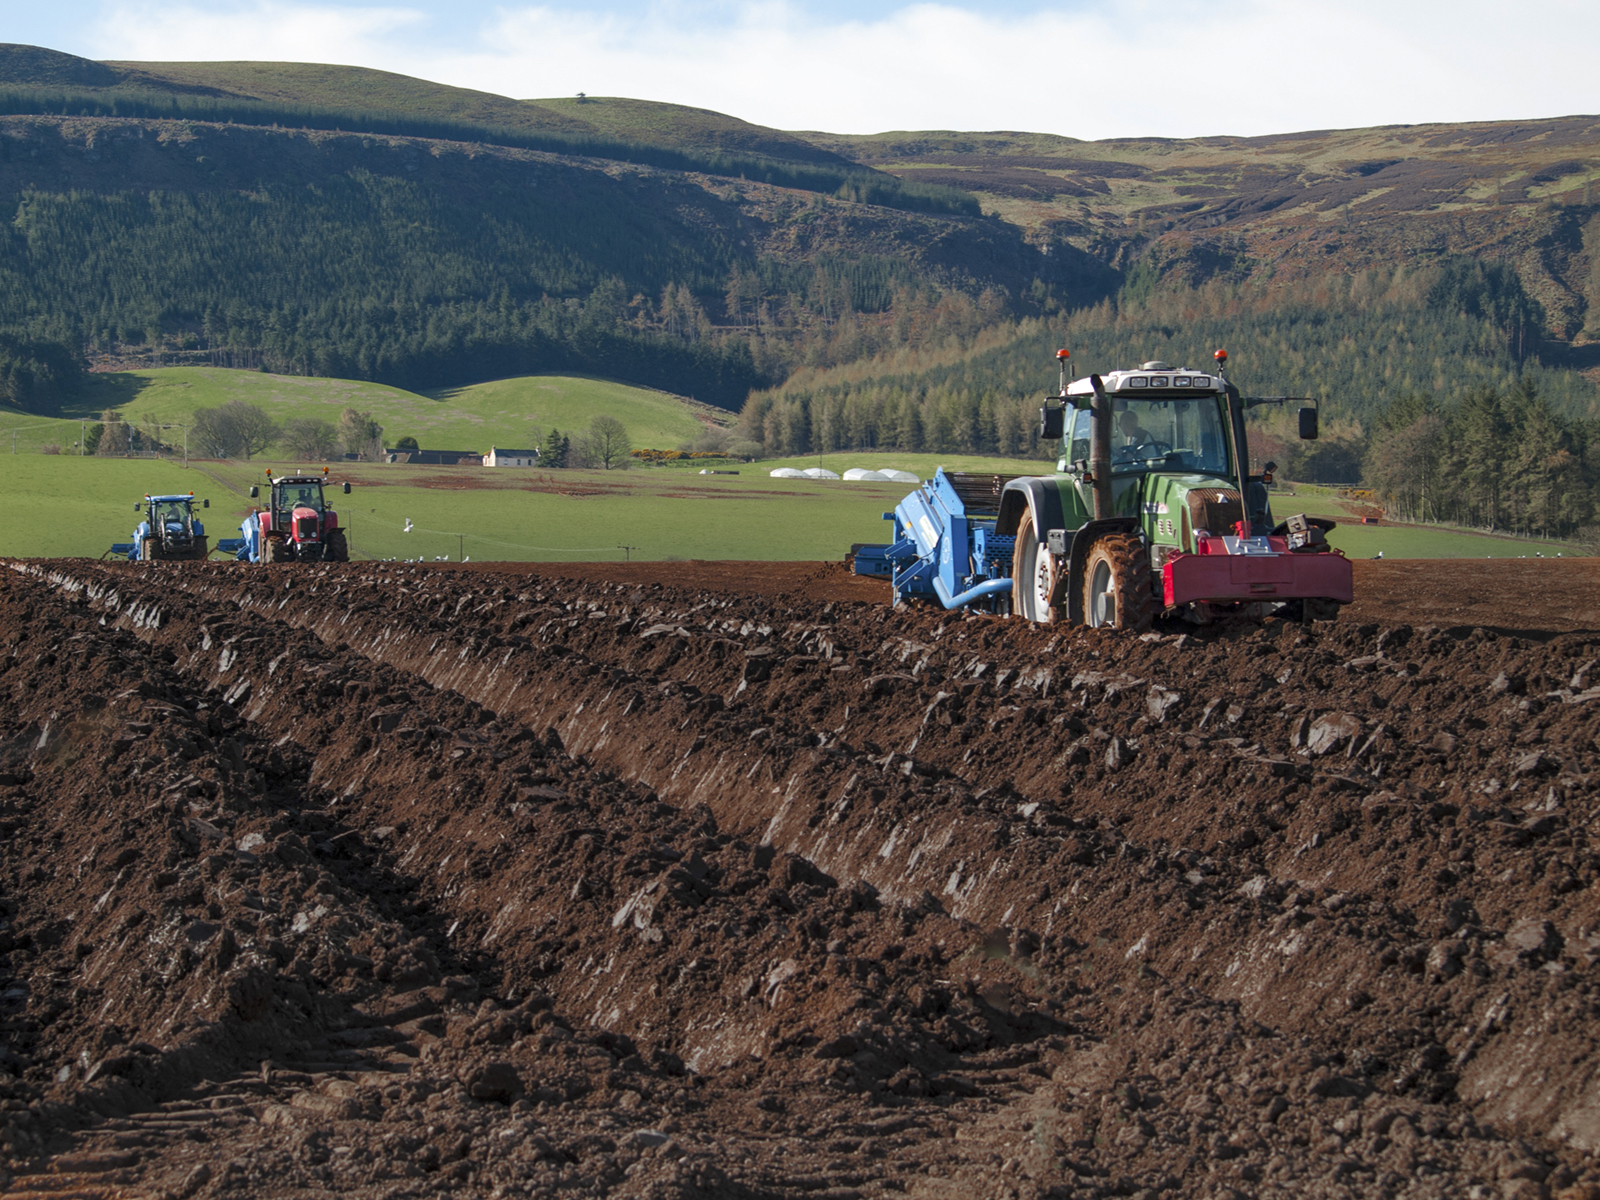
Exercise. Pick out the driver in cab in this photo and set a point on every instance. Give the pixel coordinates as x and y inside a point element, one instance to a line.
<point>1133,433</point>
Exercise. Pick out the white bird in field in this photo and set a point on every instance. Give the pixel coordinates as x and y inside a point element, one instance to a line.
<point>407,529</point>
<point>468,558</point>
<point>1379,554</point>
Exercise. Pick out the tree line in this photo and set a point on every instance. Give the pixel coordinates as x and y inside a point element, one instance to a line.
<point>1497,459</point>
<point>1452,331</point>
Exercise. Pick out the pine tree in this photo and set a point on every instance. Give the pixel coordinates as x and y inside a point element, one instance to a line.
<point>554,451</point>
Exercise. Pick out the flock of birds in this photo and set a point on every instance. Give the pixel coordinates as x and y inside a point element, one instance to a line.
<point>466,558</point>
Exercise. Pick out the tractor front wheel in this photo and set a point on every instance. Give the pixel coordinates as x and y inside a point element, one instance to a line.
<point>1033,574</point>
<point>1116,585</point>
<point>276,550</point>
<point>335,548</point>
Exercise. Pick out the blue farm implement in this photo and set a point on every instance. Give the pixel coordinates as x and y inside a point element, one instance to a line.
<point>945,546</point>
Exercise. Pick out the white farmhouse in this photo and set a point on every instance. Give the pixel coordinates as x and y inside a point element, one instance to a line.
<point>498,457</point>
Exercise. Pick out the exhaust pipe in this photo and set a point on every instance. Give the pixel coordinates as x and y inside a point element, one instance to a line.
<point>1100,449</point>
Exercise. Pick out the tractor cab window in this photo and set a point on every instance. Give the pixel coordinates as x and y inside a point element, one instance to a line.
<point>171,514</point>
<point>1078,436</point>
<point>1184,433</point>
<point>305,495</point>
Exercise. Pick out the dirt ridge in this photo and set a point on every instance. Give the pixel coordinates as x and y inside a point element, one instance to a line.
<point>1274,909</point>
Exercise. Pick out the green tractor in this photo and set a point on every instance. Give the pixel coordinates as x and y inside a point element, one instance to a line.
<point>1151,510</point>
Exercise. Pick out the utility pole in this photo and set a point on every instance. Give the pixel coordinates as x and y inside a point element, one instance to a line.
<point>461,544</point>
<point>626,549</point>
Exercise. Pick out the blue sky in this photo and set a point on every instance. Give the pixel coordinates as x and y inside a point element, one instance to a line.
<point>1090,69</point>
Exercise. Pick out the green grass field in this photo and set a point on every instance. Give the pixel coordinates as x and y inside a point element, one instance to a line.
<point>513,413</point>
<point>66,506</point>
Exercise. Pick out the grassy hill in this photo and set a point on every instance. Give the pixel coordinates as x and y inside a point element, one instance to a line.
<point>332,87</point>
<point>506,412</point>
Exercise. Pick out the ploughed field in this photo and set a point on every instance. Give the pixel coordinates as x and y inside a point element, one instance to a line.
<point>712,880</point>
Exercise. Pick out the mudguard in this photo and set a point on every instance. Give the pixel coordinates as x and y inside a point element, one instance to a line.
<point>1041,494</point>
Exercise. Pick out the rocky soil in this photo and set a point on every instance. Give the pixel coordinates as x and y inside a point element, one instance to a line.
<point>394,881</point>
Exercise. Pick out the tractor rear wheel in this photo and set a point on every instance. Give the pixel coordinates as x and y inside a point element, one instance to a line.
<point>1116,585</point>
<point>276,550</point>
<point>149,550</point>
<point>335,548</point>
<point>1033,574</point>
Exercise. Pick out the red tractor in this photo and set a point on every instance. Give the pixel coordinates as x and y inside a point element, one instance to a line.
<point>297,525</point>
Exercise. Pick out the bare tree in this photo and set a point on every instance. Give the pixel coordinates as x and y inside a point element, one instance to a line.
<point>608,442</point>
<point>360,435</point>
<point>236,430</point>
<point>115,437</point>
<point>310,439</point>
<point>255,426</point>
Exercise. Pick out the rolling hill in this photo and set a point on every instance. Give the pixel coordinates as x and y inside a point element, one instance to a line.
<point>510,413</point>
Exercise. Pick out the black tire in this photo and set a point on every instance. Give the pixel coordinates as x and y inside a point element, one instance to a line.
<point>149,550</point>
<point>1033,574</point>
<point>335,548</point>
<point>276,550</point>
<point>201,550</point>
<point>1116,585</point>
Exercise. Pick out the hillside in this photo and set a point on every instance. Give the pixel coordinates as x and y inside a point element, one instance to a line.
<point>328,221</point>
<point>1287,208</point>
<point>516,412</point>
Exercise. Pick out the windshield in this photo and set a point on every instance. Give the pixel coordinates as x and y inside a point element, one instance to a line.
<point>1186,434</point>
<point>172,514</point>
<point>303,495</point>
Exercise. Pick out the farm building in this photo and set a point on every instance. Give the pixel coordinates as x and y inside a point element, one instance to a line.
<point>501,457</point>
<point>436,458</point>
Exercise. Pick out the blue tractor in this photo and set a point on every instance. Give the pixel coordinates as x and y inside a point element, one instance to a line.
<point>169,532</point>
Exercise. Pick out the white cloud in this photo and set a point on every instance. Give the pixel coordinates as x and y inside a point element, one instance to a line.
<point>267,32</point>
<point>1115,68</point>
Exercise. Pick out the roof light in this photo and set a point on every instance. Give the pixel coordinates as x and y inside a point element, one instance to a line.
<point>1158,381</point>
<point>1221,356</point>
<point>1138,381</point>
<point>1181,381</point>
<point>1063,353</point>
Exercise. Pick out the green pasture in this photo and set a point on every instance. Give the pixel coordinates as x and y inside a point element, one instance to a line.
<point>513,413</point>
<point>66,506</point>
<point>57,505</point>
<point>514,515</point>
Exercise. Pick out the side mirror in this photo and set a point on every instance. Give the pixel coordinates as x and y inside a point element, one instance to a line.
<point>1052,420</point>
<point>1308,424</point>
<point>205,504</point>
<point>1267,470</point>
<point>255,492</point>
<point>138,508</point>
<point>347,488</point>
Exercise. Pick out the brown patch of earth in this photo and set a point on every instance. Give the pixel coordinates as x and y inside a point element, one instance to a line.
<point>700,880</point>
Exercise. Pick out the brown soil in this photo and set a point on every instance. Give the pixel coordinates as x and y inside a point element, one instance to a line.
<point>705,879</point>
